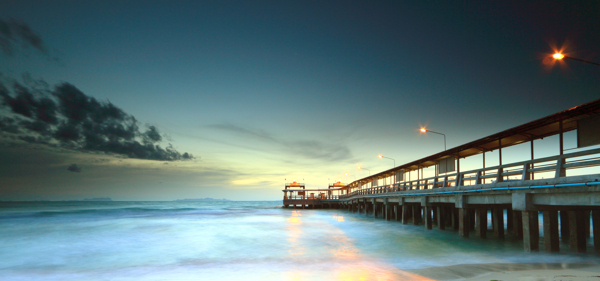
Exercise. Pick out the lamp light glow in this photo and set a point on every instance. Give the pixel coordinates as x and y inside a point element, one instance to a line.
<point>558,56</point>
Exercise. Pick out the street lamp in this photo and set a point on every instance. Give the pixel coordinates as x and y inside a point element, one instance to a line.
<point>426,130</point>
<point>359,167</point>
<point>559,56</point>
<point>381,157</point>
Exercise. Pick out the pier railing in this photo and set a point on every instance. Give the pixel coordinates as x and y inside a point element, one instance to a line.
<point>300,197</point>
<point>518,171</point>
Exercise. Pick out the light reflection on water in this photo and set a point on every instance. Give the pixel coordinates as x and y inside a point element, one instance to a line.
<point>229,241</point>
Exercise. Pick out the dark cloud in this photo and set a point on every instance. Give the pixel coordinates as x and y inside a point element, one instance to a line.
<point>66,117</point>
<point>9,125</point>
<point>14,32</point>
<point>306,148</point>
<point>74,168</point>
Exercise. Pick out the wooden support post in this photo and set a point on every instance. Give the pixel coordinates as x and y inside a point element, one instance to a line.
<point>449,211</point>
<point>586,223</point>
<point>441,217</point>
<point>472,219</point>
<point>492,214</point>
<point>509,220</point>
<point>481,222</point>
<point>498,222</point>
<point>388,215</point>
<point>405,213</point>
<point>463,222</point>
<point>577,237</point>
<point>531,231</point>
<point>517,224</point>
<point>455,219</point>
<point>550,220</point>
<point>416,214</point>
<point>427,219</point>
<point>374,208</point>
<point>435,214</point>
<point>564,226</point>
<point>596,225</point>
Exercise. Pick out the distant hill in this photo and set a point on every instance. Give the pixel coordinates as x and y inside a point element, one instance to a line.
<point>202,199</point>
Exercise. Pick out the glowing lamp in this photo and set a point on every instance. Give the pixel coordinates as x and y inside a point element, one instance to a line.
<point>558,56</point>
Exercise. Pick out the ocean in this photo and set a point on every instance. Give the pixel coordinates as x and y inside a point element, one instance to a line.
<point>233,240</point>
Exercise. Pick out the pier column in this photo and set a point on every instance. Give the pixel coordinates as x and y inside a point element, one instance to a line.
<point>472,219</point>
<point>481,222</point>
<point>427,219</point>
<point>455,219</point>
<point>416,214</point>
<point>398,207</point>
<point>463,222</point>
<point>509,220</point>
<point>550,220</point>
<point>564,225</point>
<point>441,217</point>
<point>405,213</point>
<point>586,223</point>
<point>577,236</point>
<point>531,231</point>
<point>498,222</point>
<point>449,213</point>
<point>596,225</point>
<point>388,211</point>
<point>517,224</point>
<point>374,208</point>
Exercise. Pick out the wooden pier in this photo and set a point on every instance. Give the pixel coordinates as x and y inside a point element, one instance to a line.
<point>564,188</point>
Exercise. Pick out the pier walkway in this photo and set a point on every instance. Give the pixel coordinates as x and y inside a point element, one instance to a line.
<point>564,187</point>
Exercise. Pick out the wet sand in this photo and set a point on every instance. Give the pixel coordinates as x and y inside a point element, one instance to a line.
<point>516,272</point>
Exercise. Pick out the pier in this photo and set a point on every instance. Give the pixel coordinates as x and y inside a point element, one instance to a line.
<point>564,187</point>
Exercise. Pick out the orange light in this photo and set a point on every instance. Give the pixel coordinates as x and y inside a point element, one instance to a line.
<point>423,130</point>
<point>358,167</point>
<point>558,56</point>
<point>380,156</point>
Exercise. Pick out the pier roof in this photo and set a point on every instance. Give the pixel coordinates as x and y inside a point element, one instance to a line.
<point>537,129</point>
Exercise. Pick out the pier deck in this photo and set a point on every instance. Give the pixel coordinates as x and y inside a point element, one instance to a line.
<point>564,188</point>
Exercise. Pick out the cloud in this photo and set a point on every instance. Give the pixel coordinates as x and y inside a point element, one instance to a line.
<point>312,149</point>
<point>74,168</point>
<point>14,32</point>
<point>66,117</point>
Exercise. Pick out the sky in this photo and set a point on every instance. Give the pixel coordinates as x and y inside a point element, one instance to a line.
<point>165,100</point>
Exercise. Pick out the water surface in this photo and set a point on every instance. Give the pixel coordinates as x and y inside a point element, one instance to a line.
<point>231,241</point>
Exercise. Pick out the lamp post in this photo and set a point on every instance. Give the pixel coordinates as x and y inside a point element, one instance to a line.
<point>359,167</point>
<point>426,130</point>
<point>381,157</point>
<point>559,56</point>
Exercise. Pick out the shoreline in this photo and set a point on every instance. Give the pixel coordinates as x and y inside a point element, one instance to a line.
<point>514,271</point>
